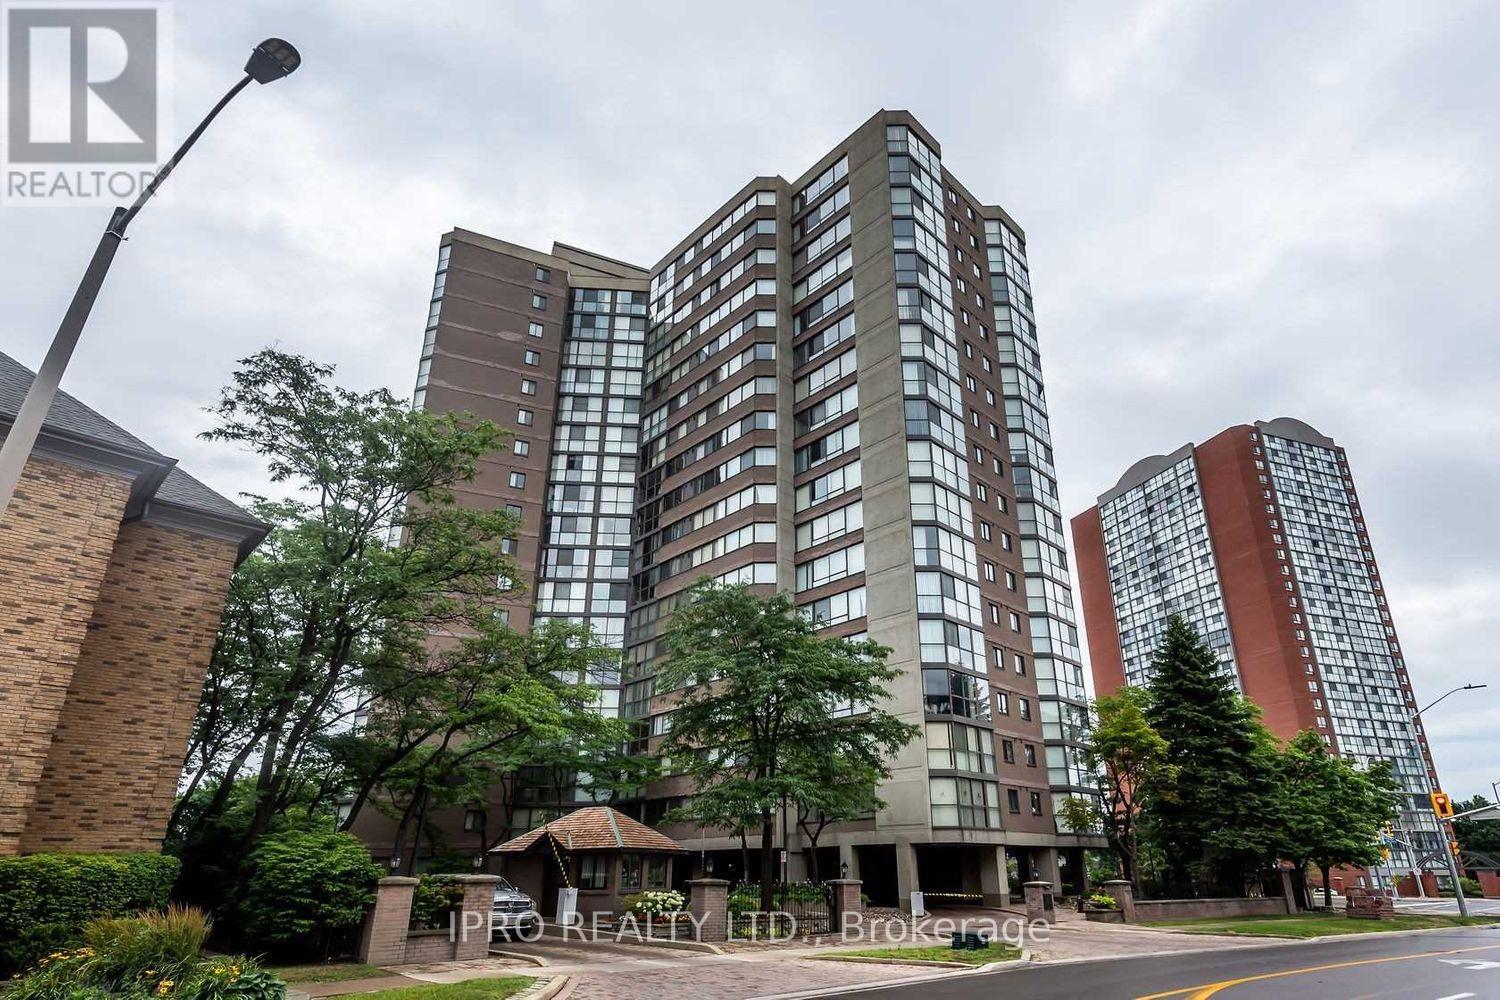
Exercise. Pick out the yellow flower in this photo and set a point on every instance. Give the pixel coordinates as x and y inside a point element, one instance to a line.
<point>164,987</point>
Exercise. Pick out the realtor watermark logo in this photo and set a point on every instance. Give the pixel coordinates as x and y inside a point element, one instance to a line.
<point>86,100</point>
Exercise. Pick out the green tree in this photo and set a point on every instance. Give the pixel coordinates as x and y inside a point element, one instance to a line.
<point>299,889</point>
<point>835,790</point>
<point>494,701</point>
<point>328,603</point>
<point>1330,812</point>
<point>1214,821</point>
<point>758,697</point>
<point>1130,758</point>
<point>1477,834</point>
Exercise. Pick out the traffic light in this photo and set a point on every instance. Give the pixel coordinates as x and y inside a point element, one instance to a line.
<point>1442,805</point>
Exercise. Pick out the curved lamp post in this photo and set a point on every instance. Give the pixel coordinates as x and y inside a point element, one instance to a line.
<point>1446,826</point>
<point>271,60</point>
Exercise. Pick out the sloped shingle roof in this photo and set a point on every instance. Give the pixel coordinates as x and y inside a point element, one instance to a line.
<point>596,828</point>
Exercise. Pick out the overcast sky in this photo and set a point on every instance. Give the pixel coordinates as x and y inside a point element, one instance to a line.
<point>1234,212</point>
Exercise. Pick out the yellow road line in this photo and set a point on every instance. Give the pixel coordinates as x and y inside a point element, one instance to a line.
<point>1207,990</point>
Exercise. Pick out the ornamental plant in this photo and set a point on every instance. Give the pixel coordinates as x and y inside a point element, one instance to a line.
<point>656,902</point>
<point>1102,901</point>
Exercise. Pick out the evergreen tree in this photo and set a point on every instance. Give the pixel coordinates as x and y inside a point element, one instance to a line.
<point>1214,820</point>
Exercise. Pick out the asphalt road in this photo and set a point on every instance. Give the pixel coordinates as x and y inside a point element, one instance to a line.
<point>1449,965</point>
<point>1477,907</point>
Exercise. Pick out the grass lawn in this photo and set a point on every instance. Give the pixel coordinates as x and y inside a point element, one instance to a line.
<point>937,953</point>
<point>469,989</point>
<point>1311,925</point>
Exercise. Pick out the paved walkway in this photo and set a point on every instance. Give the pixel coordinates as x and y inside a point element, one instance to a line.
<point>627,971</point>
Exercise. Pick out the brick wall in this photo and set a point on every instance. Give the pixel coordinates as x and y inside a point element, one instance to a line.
<point>55,542</point>
<point>111,776</point>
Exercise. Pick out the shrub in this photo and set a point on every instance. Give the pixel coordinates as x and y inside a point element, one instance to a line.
<point>45,899</point>
<point>1103,901</point>
<point>300,889</point>
<point>435,897</point>
<point>146,958</point>
<point>654,902</point>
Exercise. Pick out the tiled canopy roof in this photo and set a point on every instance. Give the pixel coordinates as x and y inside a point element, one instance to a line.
<point>596,828</point>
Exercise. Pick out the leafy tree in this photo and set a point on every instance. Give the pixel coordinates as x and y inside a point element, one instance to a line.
<point>493,702</point>
<point>837,790</point>
<point>327,603</point>
<point>1477,834</point>
<point>300,889</point>
<point>1331,812</point>
<point>1214,822</point>
<point>757,700</point>
<point>1130,757</point>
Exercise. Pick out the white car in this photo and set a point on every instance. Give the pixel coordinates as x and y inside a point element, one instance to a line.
<point>513,911</point>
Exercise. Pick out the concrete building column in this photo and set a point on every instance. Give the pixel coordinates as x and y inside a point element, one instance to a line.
<point>994,880</point>
<point>850,857</point>
<point>907,881</point>
<point>708,902</point>
<point>474,915</point>
<point>382,941</point>
<point>1044,865</point>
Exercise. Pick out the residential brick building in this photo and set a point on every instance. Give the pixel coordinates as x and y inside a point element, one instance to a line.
<point>830,387</point>
<point>113,568</point>
<point>1257,538</point>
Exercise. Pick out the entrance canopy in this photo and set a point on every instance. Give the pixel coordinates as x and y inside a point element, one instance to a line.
<point>595,829</point>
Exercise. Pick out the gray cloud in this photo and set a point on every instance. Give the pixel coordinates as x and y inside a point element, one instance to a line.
<point>1235,211</point>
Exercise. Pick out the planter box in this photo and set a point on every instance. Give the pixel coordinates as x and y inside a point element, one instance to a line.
<point>1104,916</point>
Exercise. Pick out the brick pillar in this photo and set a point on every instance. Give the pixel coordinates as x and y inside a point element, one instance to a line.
<point>1039,901</point>
<point>846,899</point>
<point>1489,884</point>
<point>474,914</point>
<point>383,940</point>
<point>1124,896</point>
<point>709,905</point>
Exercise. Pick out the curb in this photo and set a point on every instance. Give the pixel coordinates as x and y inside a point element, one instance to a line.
<point>520,956</point>
<point>546,989</point>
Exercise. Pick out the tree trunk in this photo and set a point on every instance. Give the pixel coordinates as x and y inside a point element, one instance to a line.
<point>767,860</point>
<point>1327,885</point>
<point>744,856</point>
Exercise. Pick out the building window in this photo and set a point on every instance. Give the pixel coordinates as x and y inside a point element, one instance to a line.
<point>1030,754</point>
<point>520,446</point>
<point>1025,704</point>
<point>473,820</point>
<point>1036,803</point>
<point>508,546</point>
<point>525,417</point>
<point>528,387</point>
<point>1010,580</point>
<point>534,328</point>
<point>1002,702</point>
<point>1015,622</point>
<point>518,480</point>
<point>593,871</point>
<point>532,358</point>
<point>1013,800</point>
<point>542,274</point>
<point>538,301</point>
<point>1008,751</point>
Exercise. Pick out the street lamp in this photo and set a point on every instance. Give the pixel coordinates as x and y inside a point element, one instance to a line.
<point>1444,826</point>
<point>271,60</point>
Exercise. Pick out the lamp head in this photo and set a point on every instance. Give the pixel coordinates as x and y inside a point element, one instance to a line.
<point>271,60</point>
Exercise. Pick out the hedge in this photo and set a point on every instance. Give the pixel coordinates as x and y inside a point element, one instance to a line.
<point>45,899</point>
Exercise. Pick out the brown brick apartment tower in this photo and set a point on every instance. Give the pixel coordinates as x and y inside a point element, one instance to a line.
<point>113,569</point>
<point>831,387</point>
<point>1256,537</point>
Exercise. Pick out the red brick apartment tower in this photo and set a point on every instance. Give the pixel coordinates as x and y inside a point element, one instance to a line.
<point>1256,537</point>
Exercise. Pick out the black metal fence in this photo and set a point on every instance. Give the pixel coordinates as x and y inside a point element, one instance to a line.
<point>801,909</point>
